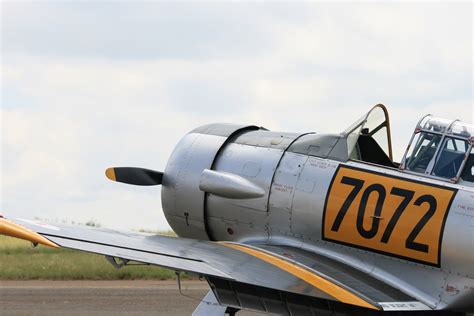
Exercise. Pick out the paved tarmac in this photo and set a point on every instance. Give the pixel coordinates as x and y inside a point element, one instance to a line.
<point>101,298</point>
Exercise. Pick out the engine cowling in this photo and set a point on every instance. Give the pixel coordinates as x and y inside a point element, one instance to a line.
<point>219,175</point>
<point>181,198</point>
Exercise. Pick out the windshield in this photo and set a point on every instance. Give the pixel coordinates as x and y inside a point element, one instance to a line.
<point>368,138</point>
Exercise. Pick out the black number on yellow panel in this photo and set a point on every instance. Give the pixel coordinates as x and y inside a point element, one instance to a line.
<point>370,233</point>
<point>381,194</point>
<point>357,184</point>
<point>388,214</point>
<point>410,243</point>
<point>407,197</point>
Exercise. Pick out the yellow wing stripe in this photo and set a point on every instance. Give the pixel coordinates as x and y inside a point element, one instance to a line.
<point>320,283</point>
<point>14,230</point>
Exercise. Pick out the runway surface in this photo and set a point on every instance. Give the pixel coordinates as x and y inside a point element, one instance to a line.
<point>101,298</point>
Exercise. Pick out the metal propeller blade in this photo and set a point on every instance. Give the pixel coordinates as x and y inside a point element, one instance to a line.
<point>135,176</point>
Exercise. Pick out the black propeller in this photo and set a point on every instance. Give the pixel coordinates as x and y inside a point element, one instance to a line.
<point>135,176</point>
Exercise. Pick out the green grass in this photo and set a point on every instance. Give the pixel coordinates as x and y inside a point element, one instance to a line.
<point>19,261</point>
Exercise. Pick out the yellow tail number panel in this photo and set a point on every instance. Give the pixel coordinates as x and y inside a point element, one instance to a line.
<point>387,214</point>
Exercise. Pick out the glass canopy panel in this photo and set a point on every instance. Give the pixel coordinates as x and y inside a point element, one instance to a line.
<point>356,125</point>
<point>382,139</point>
<point>435,124</point>
<point>441,147</point>
<point>352,134</point>
<point>450,158</point>
<point>374,124</point>
<point>423,151</point>
<point>377,126</point>
<point>423,121</point>
<point>461,129</point>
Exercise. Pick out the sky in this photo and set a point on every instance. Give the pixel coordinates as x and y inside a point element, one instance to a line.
<point>91,84</point>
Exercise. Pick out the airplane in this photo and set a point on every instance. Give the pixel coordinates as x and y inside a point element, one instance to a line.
<point>306,224</point>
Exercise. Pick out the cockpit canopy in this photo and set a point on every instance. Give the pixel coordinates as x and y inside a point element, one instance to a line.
<point>441,148</point>
<point>369,138</point>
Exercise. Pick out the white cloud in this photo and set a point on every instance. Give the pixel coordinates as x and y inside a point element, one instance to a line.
<point>120,85</point>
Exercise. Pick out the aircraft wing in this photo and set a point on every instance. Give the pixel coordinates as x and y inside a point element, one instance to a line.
<point>240,275</point>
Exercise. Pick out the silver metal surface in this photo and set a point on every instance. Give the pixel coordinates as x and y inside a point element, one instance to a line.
<point>296,174</point>
<point>181,197</point>
<point>323,146</point>
<point>282,191</point>
<point>247,217</point>
<point>182,201</point>
<point>195,256</point>
<point>209,306</point>
<point>229,185</point>
<point>264,138</point>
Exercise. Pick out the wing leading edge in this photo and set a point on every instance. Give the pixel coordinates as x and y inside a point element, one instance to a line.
<point>279,268</point>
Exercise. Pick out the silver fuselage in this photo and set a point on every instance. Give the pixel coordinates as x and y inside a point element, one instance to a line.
<point>296,180</point>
